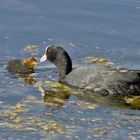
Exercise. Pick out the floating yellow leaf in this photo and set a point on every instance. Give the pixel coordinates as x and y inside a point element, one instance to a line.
<point>93,59</point>
<point>59,86</point>
<point>18,120</point>
<point>92,106</point>
<point>9,115</point>
<point>100,132</point>
<point>14,126</point>
<point>19,108</point>
<point>133,102</point>
<point>31,48</point>
<point>53,127</point>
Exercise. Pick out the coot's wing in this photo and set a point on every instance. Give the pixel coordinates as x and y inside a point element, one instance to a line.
<point>117,82</point>
<point>106,81</point>
<point>82,77</point>
<point>120,82</point>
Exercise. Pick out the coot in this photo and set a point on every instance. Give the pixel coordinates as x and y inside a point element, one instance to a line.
<point>106,81</point>
<point>25,66</point>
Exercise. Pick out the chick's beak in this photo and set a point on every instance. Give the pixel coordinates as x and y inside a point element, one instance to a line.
<point>43,58</point>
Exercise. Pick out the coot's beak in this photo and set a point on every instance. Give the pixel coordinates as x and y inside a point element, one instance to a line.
<point>43,58</point>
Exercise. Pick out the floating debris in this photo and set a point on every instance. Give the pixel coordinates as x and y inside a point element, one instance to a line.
<point>19,108</point>
<point>18,120</point>
<point>86,105</point>
<point>99,132</point>
<point>133,102</point>
<point>47,126</point>
<point>93,59</point>
<point>31,48</point>
<point>91,106</point>
<point>59,86</point>
<point>12,126</point>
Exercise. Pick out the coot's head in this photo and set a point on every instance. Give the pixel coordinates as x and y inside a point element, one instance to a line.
<point>60,58</point>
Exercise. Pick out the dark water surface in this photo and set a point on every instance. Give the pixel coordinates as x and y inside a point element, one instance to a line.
<point>109,29</point>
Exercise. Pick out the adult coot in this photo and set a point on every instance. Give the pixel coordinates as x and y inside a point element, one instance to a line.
<point>101,80</point>
<point>25,66</point>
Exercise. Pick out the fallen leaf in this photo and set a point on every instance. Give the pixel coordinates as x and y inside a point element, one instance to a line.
<point>31,48</point>
<point>93,59</point>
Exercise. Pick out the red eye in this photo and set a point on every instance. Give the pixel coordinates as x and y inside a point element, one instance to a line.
<point>33,59</point>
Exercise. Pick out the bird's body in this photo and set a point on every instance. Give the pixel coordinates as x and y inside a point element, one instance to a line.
<point>21,66</point>
<point>102,80</point>
<point>105,80</point>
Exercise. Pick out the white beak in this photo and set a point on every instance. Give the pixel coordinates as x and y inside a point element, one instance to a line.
<point>43,58</point>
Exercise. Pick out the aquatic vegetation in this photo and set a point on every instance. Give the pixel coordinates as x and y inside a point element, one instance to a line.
<point>100,60</point>
<point>60,86</point>
<point>133,102</point>
<point>13,119</point>
<point>29,79</point>
<point>18,108</point>
<point>31,48</point>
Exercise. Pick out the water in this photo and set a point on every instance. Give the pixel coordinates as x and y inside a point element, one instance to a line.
<point>84,28</point>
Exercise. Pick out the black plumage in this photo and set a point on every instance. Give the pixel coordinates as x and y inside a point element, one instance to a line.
<point>101,80</point>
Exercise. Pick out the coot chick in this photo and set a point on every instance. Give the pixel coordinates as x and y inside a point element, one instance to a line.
<point>25,66</point>
<point>99,80</point>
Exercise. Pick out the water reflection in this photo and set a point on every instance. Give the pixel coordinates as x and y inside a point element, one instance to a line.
<point>57,94</point>
<point>52,95</point>
<point>127,102</point>
<point>56,97</point>
<point>27,78</point>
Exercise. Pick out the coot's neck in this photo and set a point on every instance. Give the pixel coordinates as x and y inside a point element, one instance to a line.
<point>64,65</point>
